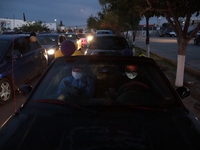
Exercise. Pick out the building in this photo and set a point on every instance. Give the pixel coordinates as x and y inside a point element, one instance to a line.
<point>10,24</point>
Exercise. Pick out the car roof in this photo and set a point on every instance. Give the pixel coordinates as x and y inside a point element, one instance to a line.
<point>112,35</point>
<point>50,34</point>
<point>71,33</point>
<point>11,36</point>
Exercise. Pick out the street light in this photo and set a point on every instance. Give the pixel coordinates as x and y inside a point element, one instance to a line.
<point>56,23</point>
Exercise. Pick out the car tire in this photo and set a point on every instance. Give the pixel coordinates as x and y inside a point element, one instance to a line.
<point>195,42</point>
<point>6,91</point>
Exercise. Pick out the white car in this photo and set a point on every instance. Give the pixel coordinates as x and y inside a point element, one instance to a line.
<point>172,34</point>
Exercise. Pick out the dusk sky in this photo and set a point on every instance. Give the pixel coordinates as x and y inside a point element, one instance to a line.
<point>70,12</point>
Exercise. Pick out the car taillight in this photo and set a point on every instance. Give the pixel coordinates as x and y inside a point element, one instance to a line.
<point>44,50</point>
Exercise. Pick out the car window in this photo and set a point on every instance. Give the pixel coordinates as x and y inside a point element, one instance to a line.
<point>70,36</point>
<point>108,43</point>
<point>3,45</point>
<point>110,83</point>
<point>48,40</point>
<point>19,45</point>
<point>82,35</point>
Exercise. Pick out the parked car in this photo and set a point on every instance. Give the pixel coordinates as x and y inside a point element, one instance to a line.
<point>197,39</point>
<point>83,38</point>
<point>132,106</point>
<point>172,34</point>
<point>107,44</point>
<point>51,42</point>
<point>20,60</point>
<point>167,32</point>
<point>104,32</point>
<point>74,38</point>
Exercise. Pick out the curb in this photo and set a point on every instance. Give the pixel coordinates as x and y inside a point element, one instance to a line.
<point>187,68</point>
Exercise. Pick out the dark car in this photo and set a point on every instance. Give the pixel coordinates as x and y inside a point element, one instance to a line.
<point>51,42</point>
<point>75,39</point>
<point>102,102</point>
<point>20,60</point>
<point>107,44</point>
<point>197,39</point>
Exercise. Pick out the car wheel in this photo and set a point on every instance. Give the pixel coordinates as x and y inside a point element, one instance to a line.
<point>195,42</point>
<point>6,91</point>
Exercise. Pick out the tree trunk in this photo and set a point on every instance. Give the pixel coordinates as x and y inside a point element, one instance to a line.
<point>182,45</point>
<point>147,38</point>
<point>133,42</point>
<point>180,70</point>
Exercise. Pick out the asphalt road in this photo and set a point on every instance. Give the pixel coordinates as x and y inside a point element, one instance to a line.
<point>8,109</point>
<point>168,47</point>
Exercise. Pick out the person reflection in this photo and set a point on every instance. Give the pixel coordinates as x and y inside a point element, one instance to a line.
<point>78,84</point>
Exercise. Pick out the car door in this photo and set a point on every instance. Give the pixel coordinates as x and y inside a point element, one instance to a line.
<point>22,61</point>
<point>38,58</point>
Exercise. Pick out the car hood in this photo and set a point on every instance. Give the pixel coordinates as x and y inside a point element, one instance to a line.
<point>47,47</point>
<point>105,52</point>
<point>145,130</point>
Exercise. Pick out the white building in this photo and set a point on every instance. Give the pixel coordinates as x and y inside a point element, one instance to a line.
<point>10,24</point>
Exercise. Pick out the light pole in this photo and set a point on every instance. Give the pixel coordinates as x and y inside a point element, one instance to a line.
<point>56,24</point>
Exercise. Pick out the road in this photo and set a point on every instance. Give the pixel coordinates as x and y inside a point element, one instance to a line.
<point>10,108</point>
<point>168,47</point>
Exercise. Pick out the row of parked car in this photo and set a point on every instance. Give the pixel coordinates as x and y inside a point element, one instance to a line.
<point>21,59</point>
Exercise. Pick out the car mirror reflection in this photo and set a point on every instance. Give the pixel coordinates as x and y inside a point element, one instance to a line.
<point>25,90</point>
<point>183,92</point>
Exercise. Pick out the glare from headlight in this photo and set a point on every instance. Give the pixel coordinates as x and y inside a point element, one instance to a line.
<point>51,52</point>
<point>89,38</point>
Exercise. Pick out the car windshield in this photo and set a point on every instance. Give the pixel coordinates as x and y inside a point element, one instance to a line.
<point>47,40</point>
<point>111,81</point>
<point>108,43</point>
<point>3,45</point>
<point>82,35</point>
<point>70,36</point>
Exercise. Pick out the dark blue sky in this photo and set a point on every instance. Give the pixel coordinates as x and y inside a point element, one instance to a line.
<point>71,12</point>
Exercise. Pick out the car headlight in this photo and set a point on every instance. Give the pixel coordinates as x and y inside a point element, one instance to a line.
<point>89,38</point>
<point>51,51</point>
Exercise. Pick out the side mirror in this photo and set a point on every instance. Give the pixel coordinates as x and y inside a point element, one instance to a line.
<point>17,55</point>
<point>25,89</point>
<point>183,92</point>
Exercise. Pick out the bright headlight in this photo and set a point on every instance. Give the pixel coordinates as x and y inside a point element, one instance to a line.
<point>51,52</point>
<point>89,38</point>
